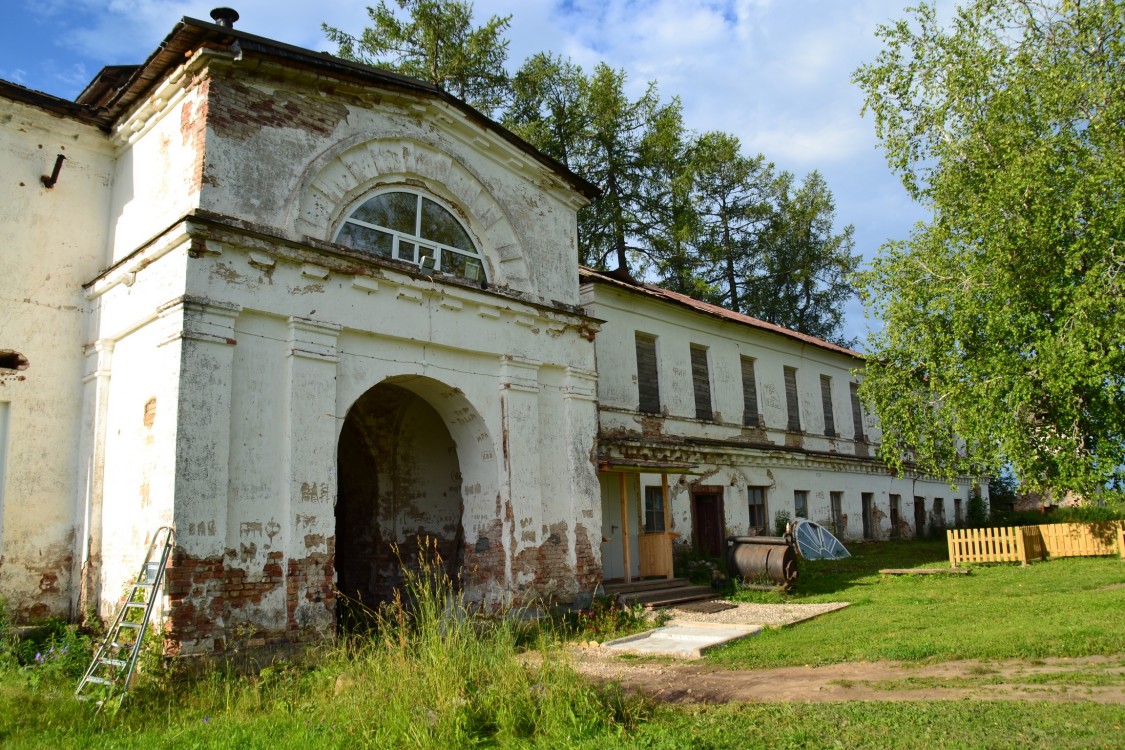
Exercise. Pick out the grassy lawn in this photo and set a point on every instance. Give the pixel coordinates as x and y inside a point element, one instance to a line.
<point>1066,607</point>
<point>443,684</point>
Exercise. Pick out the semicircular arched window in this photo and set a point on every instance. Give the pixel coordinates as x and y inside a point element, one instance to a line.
<point>410,227</point>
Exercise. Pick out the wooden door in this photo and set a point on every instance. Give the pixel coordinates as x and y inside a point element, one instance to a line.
<point>707,521</point>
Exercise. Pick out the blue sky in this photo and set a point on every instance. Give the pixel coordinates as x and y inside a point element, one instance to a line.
<point>776,73</point>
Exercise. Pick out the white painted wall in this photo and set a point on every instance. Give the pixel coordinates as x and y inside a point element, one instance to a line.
<point>52,241</point>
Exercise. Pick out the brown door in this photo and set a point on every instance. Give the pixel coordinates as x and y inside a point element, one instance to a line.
<point>707,520</point>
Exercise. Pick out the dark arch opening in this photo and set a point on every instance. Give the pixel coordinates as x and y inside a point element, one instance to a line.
<point>399,488</point>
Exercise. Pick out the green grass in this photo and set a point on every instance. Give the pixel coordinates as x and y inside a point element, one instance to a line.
<point>433,675</point>
<point>1055,608</point>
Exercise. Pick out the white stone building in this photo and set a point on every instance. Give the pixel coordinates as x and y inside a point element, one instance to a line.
<point>712,423</point>
<point>304,310</point>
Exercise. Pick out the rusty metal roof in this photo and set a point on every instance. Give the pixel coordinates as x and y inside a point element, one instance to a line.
<point>117,88</point>
<point>589,275</point>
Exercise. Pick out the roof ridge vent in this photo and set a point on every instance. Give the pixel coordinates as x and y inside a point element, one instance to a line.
<point>225,17</point>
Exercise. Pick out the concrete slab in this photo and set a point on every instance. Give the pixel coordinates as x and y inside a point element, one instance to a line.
<point>689,640</point>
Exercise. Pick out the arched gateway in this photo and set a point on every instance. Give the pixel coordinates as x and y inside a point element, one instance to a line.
<point>403,460</point>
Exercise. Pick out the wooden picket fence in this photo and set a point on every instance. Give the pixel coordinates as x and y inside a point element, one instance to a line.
<point>1025,543</point>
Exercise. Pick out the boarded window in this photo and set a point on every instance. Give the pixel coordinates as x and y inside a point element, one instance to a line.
<point>648,384</point>
<point>801,503</point>
<point>939,513</point>
<point>654,509</point>
<point>749,393</point>
<point>791,404</point>
<point>701,382</point>
<point>757,500</point>
<point>826,405</point>
<point>895,501</point>
<point>837,501</point>
<point>957,511</point>
<point>857,412</point>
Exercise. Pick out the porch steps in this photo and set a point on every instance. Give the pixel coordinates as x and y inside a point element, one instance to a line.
<point>654,593</point>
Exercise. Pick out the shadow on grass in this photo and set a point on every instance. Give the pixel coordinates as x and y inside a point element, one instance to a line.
<point>827,577</point>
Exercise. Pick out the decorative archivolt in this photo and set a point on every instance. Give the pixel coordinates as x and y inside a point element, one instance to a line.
<point>336,182</point>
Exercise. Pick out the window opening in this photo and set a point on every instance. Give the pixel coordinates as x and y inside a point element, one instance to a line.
<point>857,412</point>
<point>701,382</point>
<point>801,503</point>
<point>939,513</point>
<point>919,515</point>
<point>749,393</point>
<point>648,384</point>
<point>837,501</point>
<point>791,403</point>
<point>826,405</point>
<point>12,360</point>
<point>957,511</point>
<point>895,501</point>
<point>410,227</point>
<point>757,502</point>
<point>867,501</point>
<point>654,509</point>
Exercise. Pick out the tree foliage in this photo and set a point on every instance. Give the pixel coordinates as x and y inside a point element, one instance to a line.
<point>694,213</point>
<point>1004,337</point>
<point>802,268</point>
<point>435,43</point>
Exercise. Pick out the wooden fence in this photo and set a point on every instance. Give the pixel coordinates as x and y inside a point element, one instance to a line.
<point>1024,543</point>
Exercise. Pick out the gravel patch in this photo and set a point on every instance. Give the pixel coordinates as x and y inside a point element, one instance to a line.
<point>767,615</point>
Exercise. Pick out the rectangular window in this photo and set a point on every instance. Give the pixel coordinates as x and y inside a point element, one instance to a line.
<point>800,503</point>
<point>826,404</point>
<point>757,500</point>
<point>957,512</point>
<point>867,501</point>
<point>648,384</point>
<point>701,382</point>
<point>857,412</point>
<point>939,512</point>
<point>919,515</point>
<point>896,501</point>
<point>837,500</point>
<point>654,509</point>
<point>791,404</point>
<point>749,393</point>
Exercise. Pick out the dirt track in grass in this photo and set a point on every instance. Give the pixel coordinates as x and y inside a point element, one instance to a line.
<point>1096,678</point>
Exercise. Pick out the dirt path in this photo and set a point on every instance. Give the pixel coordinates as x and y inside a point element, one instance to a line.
<point>1097,678</point>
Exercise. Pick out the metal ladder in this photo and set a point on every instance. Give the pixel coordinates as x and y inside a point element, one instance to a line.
<point>116,658</point>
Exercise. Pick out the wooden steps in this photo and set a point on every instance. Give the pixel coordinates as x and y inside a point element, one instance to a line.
<point>654,593</point>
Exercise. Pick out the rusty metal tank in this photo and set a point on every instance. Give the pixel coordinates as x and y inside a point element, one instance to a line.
<point>753,558</point>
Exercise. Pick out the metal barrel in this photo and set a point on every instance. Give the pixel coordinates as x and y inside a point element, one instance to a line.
<point>750,559</point>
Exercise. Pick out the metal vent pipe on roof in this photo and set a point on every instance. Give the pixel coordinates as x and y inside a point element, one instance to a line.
<point>225,17</point>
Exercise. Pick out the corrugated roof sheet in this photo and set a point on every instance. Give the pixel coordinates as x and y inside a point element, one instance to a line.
<point>667,295</point>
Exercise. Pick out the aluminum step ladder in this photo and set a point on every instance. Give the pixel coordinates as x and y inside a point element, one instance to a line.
<point>116,658</point>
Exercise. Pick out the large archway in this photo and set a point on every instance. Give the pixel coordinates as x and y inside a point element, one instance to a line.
<point>400,485</point>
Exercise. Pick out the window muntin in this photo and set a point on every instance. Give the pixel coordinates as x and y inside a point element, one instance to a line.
<point>801,503</point>
<point>654,509</point>
<point>756,501</point>
<point>836,502</point>
<point>407,226</point>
